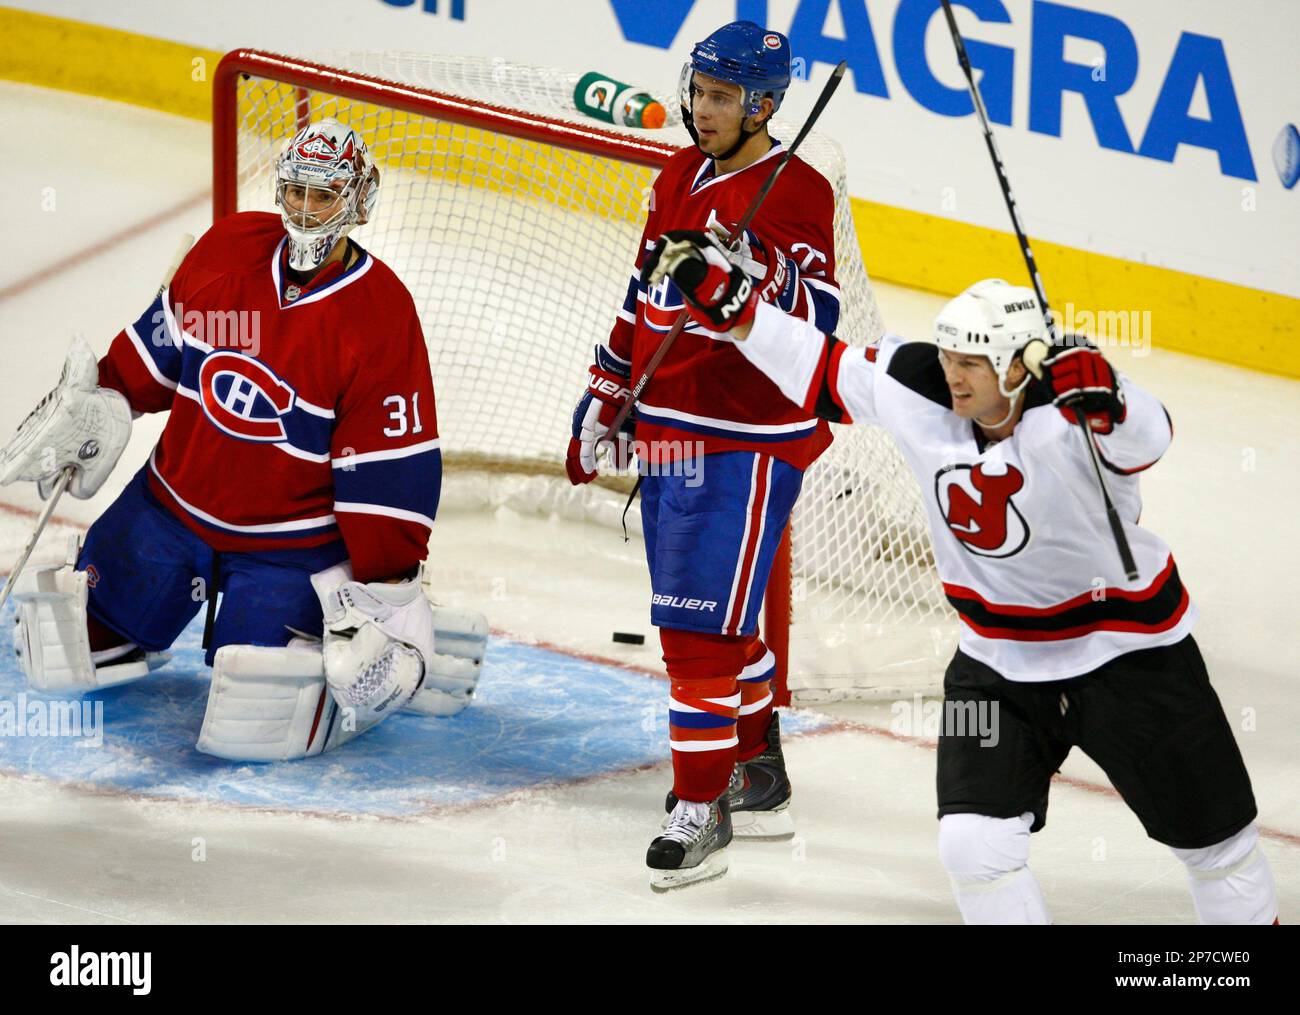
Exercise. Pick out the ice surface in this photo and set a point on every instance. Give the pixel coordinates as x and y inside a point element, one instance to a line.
<point>538,803</point>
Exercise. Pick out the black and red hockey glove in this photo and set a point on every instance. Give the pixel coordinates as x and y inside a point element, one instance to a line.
<point>718,293</point>
<point>608,387</point>
<point>1082,379</point>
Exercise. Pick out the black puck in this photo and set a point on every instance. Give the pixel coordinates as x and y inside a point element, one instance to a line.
<point>627,638</point>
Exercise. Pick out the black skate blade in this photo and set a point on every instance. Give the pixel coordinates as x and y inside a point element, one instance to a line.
<point>710,868</point>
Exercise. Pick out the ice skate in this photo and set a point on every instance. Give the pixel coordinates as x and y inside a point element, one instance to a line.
<point>693,847</point>
<point>758,795</point>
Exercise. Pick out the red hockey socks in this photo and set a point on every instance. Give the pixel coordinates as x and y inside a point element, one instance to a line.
<point>703,710</point>
<point>755,698</point>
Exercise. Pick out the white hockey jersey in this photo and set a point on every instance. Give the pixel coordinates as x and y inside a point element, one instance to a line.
<point>1020,534</point>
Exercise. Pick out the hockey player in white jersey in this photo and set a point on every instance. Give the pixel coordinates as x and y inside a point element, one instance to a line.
<point>1056,645</point>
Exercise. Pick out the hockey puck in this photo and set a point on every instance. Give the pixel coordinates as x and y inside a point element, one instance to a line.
<point>627,638</point>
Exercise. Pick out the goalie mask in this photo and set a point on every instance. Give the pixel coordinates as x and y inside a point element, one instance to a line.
<point>325,183</point>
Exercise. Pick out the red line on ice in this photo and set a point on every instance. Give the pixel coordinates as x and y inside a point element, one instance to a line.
<point>103,246</point>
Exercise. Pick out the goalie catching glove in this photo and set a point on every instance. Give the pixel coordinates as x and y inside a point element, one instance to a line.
<point>379,652</point>
<point>377,638</point>
<point>719,293</point>
<point>78,425</point>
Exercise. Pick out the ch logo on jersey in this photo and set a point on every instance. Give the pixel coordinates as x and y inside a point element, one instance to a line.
<point>978,504</point>
<point>242,397</point>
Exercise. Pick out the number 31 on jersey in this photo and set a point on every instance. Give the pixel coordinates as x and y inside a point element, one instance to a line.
<point>397,413</point>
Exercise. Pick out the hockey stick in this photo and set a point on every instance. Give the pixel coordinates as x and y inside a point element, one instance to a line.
<point>60,485</point>
<point>65,476</point>
<point>1036,351</point>
<point>828,90</point>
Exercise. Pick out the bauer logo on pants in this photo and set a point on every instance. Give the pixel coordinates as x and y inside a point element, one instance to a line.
<point>977,504</point>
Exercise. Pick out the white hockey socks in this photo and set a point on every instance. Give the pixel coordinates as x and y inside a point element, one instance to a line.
<point>988,862</point>
<point>1231,881</point>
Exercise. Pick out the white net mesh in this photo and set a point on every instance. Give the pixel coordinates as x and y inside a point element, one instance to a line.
<point>517,252</point>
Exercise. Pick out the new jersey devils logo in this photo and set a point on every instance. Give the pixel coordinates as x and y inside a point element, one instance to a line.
<point>977,503</point>
<point>243,397</point>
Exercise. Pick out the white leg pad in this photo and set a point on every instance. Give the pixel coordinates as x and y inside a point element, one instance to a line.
<point>988,862</point>
<point>1231,881</point>
<point>270,704</point>
<point>452,675</point>
<point>51,639</point>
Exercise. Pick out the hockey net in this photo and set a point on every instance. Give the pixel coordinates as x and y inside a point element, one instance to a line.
<point>513,221</point>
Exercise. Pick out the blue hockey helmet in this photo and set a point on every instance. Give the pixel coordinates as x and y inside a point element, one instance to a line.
<point>745,54</point>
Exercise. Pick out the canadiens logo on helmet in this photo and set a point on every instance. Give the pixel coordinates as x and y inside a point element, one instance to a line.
<point>242,397</point>
<point>977,503</point>
<point>772,41</point>
<point>319,148</point>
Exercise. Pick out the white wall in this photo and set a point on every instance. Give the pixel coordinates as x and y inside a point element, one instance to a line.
<point>1223,214</point>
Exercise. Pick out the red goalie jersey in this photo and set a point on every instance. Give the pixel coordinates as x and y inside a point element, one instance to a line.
<point>705,391</point>
<point>298,416</point>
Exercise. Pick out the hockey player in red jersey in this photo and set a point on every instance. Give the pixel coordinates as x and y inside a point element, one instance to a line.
<point>298,475</point>
<point>721,454</point>
<point>1058,648</point>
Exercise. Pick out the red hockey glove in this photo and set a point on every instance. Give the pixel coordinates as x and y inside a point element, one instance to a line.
<point>772,272</point>
<point>718,292</point>
<point>1082,379</point>
<point>607,390</point>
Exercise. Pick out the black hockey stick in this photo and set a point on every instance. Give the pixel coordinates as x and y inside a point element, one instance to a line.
<point>827,91</point>
<point>1036,352</point>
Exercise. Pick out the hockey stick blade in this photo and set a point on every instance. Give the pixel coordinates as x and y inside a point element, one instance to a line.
<point>837,75</point>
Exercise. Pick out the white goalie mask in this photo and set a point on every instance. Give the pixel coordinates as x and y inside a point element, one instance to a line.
<point>995,319</point>
<point>325,183</point>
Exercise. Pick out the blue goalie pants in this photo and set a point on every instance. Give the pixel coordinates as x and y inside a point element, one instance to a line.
<point>149,575</point>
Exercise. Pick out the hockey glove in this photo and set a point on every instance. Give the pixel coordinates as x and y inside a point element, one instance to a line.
<point>378,641</point>
<point>607,390</point>
<point>1082,379</point>
<point>773,273</point>
<point>719,294</point>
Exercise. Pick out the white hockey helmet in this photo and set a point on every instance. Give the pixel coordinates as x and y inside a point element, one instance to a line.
<point>328,156</point>
<point>995,319</point>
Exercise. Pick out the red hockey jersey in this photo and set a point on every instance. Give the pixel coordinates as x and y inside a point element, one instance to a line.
<point>298,416</point>
<point>705,391</point>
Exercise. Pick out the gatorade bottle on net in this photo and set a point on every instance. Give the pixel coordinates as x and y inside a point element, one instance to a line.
<point>613,101</point>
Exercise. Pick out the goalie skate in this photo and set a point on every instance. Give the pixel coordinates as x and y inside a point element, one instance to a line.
<point>693,848</point>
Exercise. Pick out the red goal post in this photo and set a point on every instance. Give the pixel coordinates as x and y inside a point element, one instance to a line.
<point>472,149</point>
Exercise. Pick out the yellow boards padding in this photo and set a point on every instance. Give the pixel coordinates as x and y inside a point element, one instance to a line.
<point>78,57</point>
<point>1121,304</point>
